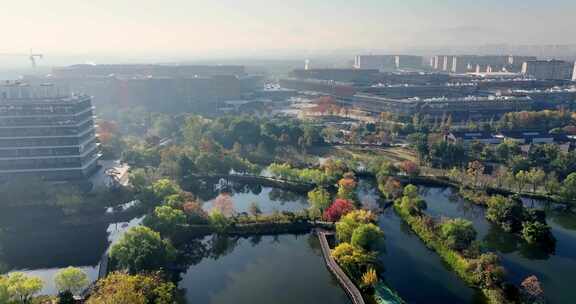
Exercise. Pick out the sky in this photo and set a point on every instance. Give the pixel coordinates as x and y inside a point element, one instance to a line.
<point>202,28</point>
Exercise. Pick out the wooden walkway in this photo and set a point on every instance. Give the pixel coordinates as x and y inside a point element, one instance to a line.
<point>343,279</point>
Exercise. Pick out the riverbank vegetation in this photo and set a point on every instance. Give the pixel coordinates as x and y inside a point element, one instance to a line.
<point>453,240</point>
<point>358,239</point>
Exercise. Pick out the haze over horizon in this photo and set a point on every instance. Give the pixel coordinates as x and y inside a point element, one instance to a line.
<point>204,29</point>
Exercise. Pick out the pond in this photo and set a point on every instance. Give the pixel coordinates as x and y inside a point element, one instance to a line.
<point>238,199</point>
<point>555,269</point>
<point>269,269</point>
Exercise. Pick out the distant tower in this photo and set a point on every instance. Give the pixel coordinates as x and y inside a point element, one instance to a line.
<point>307,64</point>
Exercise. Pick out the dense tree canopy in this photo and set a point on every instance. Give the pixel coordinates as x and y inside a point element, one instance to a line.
<point>71,279</point>
<point>142,249</point>
<point>458,233</point>
<point>122,288</point>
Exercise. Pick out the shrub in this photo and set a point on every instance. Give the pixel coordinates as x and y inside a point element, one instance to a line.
<point>486,270</point>
<point>531,291</point>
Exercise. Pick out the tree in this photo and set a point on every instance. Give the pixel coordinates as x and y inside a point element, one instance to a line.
<point>352,259</point>
<point>551,184</point>
<point>486,270</point>
<point>165,219</point>
<point>568,189</point>
<point>71,279</point>
<point>390,187</point>
<point>536,177</point>
<point>195,215</point>
<point>521,178</point>
<point>22,287</point>
<point>366,236</point>
<point>458,234</point>
<point>537,233</point>
<point>411,201</point>
<point>475,170</point>
<point>346,187</point>
<point>339,208</point>
<point>164,187</point>
<point>218,220</point>
<point>369,278</point>
<point>508,213</point>
<point>142,249</point>
<point>319,198</point>
<point>348,223</point>
<point>122,288</point>
<point>4,295</point>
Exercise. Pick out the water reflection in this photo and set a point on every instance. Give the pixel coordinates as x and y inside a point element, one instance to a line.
<point>238,200</point>
<point>554,268</point>
<point>268,269</point>
<point>410,266</point>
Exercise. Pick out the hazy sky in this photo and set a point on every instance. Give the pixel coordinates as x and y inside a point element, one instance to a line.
<point>174,27</point>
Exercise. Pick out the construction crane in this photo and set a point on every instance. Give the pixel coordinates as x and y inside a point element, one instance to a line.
<point>33,57</point>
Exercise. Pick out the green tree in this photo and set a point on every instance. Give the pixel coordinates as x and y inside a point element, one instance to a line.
<point>411,201</point>
<point>508,213</point>
<point>522,178</point>
<point>218,221</point>
<point>164,187</point>
<point>71,279</point>
<point>352,259</point>
<point>537,233</point>
<point>165,219</point>
<point>351,221</point>
<point>367,236</point>
<point>458,234</point>
<point>536,177</point>
<point>319,198</point>
<point>22,287</point>
<point>568,189</point>
<point>142,249</point>
<point>4,295</point>
<point>122,288</point>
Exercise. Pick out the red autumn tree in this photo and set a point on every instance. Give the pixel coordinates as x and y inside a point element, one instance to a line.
<point>339,208</point>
